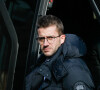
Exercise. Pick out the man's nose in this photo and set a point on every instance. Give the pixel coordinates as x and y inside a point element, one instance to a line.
<point>45,42</point>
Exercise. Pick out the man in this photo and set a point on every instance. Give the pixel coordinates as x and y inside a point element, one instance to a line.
<point>60,67</point>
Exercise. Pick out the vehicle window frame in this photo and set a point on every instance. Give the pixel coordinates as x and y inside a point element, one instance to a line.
<point>34,48</point>
<point>96,8</point>
<point>14,44</point>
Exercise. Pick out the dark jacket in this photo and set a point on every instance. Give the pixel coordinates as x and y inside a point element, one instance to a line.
<point>65,70</point>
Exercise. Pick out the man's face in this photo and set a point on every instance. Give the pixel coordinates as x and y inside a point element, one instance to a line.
<point>50,47</point>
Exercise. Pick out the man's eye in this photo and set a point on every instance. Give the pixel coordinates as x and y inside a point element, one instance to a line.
<point>41,38</point>
<point>50,38</point>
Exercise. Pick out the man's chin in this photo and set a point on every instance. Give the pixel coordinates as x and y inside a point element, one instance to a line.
<point>48,54</point>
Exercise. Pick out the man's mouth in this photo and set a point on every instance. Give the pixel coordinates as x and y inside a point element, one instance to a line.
<point>46,49</point>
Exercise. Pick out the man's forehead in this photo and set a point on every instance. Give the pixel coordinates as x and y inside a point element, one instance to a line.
<point>49,27</point>
<point>52,30</point>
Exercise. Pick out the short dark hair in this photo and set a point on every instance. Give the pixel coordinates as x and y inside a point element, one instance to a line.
<point>49,20</point>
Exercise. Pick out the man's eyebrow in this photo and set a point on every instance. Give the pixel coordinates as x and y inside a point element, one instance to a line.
<point>47,36</point>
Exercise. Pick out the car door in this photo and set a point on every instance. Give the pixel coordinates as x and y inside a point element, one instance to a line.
<point>8,49</point>
<point>24,15</point>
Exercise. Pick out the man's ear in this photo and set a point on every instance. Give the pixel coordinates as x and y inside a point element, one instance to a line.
<point>62,38</point>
